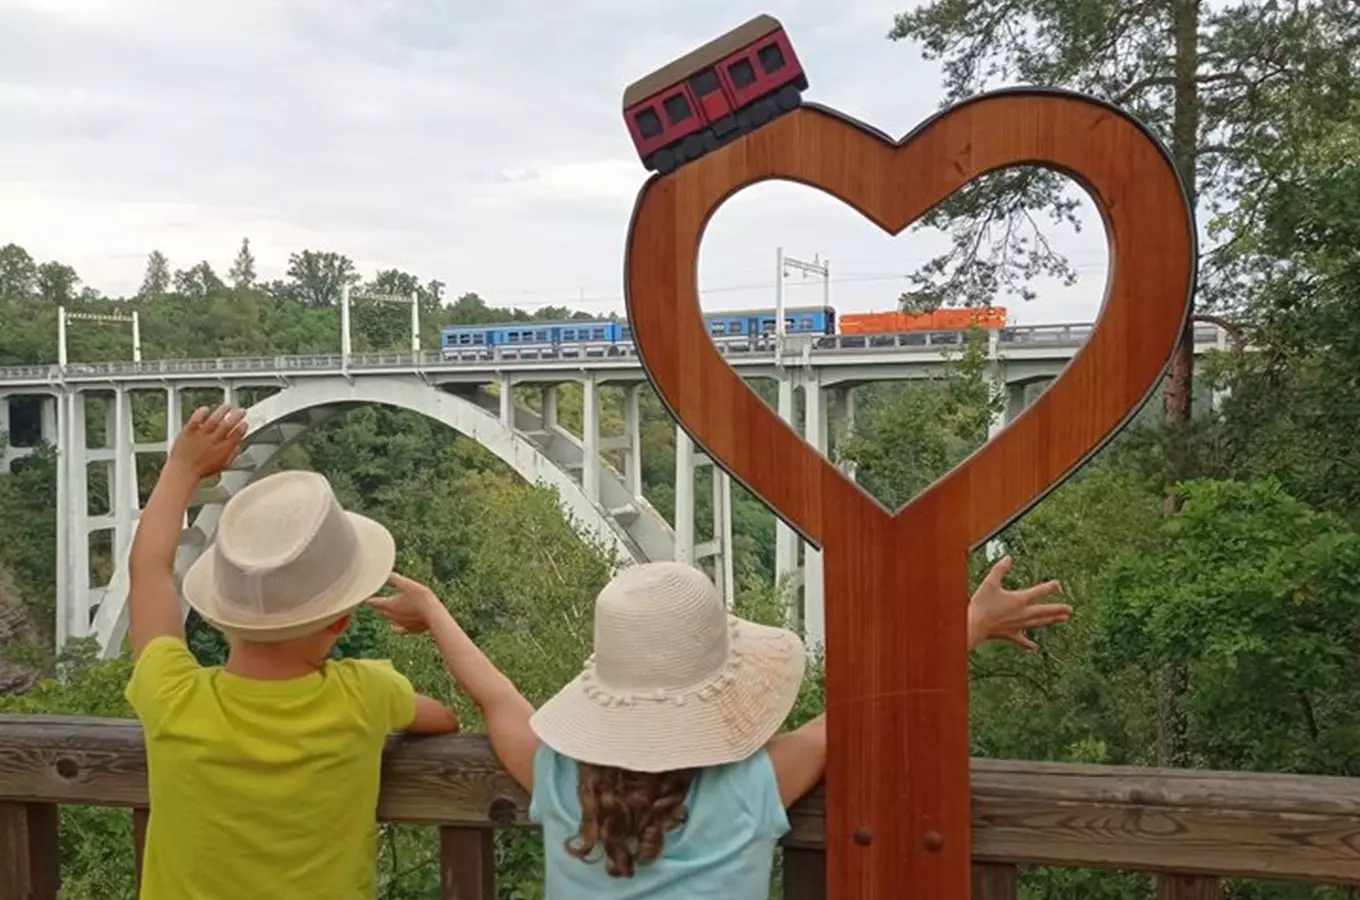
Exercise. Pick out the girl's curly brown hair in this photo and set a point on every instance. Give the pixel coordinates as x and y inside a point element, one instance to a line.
<point>629,813</point>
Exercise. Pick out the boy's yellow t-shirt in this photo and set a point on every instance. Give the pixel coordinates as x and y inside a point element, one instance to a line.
<point>263,789</point>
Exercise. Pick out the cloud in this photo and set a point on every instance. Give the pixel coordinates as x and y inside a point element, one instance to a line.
<point>481,144</point>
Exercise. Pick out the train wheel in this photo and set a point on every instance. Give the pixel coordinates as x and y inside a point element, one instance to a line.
<point>665,160</point>
<point>693,146</point>
<point>760,113</point>
<point>710,141</point>
<point>788,98</point>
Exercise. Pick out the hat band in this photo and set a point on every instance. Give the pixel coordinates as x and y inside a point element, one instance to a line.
<point>705,690</point>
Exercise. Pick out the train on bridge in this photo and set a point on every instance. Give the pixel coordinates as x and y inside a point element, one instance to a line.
<point>751,329</point>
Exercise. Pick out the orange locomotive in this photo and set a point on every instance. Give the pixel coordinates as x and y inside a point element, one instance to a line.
<point>939,320</point>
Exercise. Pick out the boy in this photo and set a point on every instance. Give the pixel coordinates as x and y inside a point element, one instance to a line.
<point>264,773</point>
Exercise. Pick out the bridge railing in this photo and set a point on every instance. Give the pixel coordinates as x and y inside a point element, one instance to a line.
<point>1188,828</point>
<point>925,342</point>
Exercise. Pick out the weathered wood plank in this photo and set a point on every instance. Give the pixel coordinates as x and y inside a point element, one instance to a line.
<point>467,864</point>
<point>1183,822</point>
<point>804,874</point>
<point>995,881</point>
<point>140,817</point>
<point>1188,887</point>
<point>30,860</point>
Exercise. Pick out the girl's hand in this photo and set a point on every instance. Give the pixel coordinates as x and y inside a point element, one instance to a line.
<point>209,441</point>
<point>410,608</point>
<point>995,612</point>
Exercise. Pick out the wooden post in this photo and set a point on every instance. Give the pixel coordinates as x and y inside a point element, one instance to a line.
<point>140,817</point>
<point>1188,887</point>
<point>30,861</point>
<point>467,863</point>
<point>995,881</point>
<point>804,874</point>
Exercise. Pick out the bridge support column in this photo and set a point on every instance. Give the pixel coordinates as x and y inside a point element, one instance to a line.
<point>786,542</point>
<point>507,398</point>
<point>815,432</point>
<point>548,403</point>
<point>846,403</point>
<point>684,497</point>
<point>174,421</point>
<point>48,414</point>
<point>590,434</point>
<point>74,523</point>
<point>632,432</point>
<point>124,501</point>
<point>63,445</point>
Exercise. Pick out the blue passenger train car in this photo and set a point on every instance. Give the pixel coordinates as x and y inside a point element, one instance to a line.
<point>603,336</point>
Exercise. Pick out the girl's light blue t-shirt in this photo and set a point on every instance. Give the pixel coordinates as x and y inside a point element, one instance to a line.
<point>723,851</point>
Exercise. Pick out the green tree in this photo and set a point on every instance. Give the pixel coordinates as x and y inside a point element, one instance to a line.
<point>156,281</point>
<point>242,271</point>
<point>318,278</point>
<point>18,272</point>
<point>57,282</point>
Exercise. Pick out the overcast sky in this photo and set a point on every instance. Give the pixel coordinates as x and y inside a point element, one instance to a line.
<point>480,143</point>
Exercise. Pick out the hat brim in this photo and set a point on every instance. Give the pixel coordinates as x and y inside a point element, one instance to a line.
<point>665,732</point>
<point>377,554</point>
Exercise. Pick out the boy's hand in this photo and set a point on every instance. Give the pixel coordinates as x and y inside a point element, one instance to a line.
<point>209,441</point>
<point>410,608</point>
<point>995,612</point>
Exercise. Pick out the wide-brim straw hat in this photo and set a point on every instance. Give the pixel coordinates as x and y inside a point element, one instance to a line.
<point>287,560</point>
<point>675,681</point>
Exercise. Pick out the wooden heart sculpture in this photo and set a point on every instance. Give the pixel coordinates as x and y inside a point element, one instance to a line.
<point>897,807</point>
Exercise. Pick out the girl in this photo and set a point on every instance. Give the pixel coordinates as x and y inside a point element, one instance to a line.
<point>658,772</point>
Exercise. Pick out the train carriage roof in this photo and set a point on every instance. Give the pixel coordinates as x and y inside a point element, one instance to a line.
<point>706,55</point>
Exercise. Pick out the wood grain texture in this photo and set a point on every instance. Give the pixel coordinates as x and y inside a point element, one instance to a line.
<point>896,585</point>
<point>141,817</point>
<point>1230,824</point>
<point>1188,887</point>
<point>30,862</point>
<point>467,864</point>
<point>995,881</point>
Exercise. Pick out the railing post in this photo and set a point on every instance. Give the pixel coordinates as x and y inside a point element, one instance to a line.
<point>1188,887</point>
<point>30,860</point>
<point>804,874</point>
<point>995,881</point>
<point>467,863</point>
<point>140,816</point>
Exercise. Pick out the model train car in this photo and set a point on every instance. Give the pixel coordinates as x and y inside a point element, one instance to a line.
<point>737,329</point>
<point>713,95</point>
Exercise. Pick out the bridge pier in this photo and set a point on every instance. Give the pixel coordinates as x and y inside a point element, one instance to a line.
<point>719,548</point>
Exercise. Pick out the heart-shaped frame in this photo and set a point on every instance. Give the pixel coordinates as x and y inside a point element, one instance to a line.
<point>898,804</point>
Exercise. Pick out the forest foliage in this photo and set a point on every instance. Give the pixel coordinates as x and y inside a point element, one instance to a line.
<point>1249,592</point>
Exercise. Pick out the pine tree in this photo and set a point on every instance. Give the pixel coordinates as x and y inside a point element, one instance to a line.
<point>242,271</point>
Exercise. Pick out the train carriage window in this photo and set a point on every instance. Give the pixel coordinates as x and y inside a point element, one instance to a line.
<point>677,108</point>
<point>568,334</point>
<point>514,337</point>
<point>598,334</point>
<point>649,123</point>
<point>704,83</point>
<point>477,339</point>
<point>742,72</point>
<point>771,58</point>
<point>541,336</point>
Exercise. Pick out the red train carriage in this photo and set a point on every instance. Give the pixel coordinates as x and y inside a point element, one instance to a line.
<point>713,95</point>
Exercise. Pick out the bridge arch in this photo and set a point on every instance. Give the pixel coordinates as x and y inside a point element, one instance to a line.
<point>279,420</point>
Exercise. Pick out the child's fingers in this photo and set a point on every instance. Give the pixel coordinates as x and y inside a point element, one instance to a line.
<point>197,418</point>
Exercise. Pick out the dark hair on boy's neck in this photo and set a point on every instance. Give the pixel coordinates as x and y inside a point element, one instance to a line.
<point>629,813</point>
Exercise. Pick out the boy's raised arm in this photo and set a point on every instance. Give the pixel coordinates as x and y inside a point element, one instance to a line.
<point>206,445</point>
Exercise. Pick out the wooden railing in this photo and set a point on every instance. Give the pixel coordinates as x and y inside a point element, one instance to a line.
<point>1191,828</point>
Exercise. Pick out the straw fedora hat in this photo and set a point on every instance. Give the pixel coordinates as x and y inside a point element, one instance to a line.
<point>675,681</point>
<point>287,561</point>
